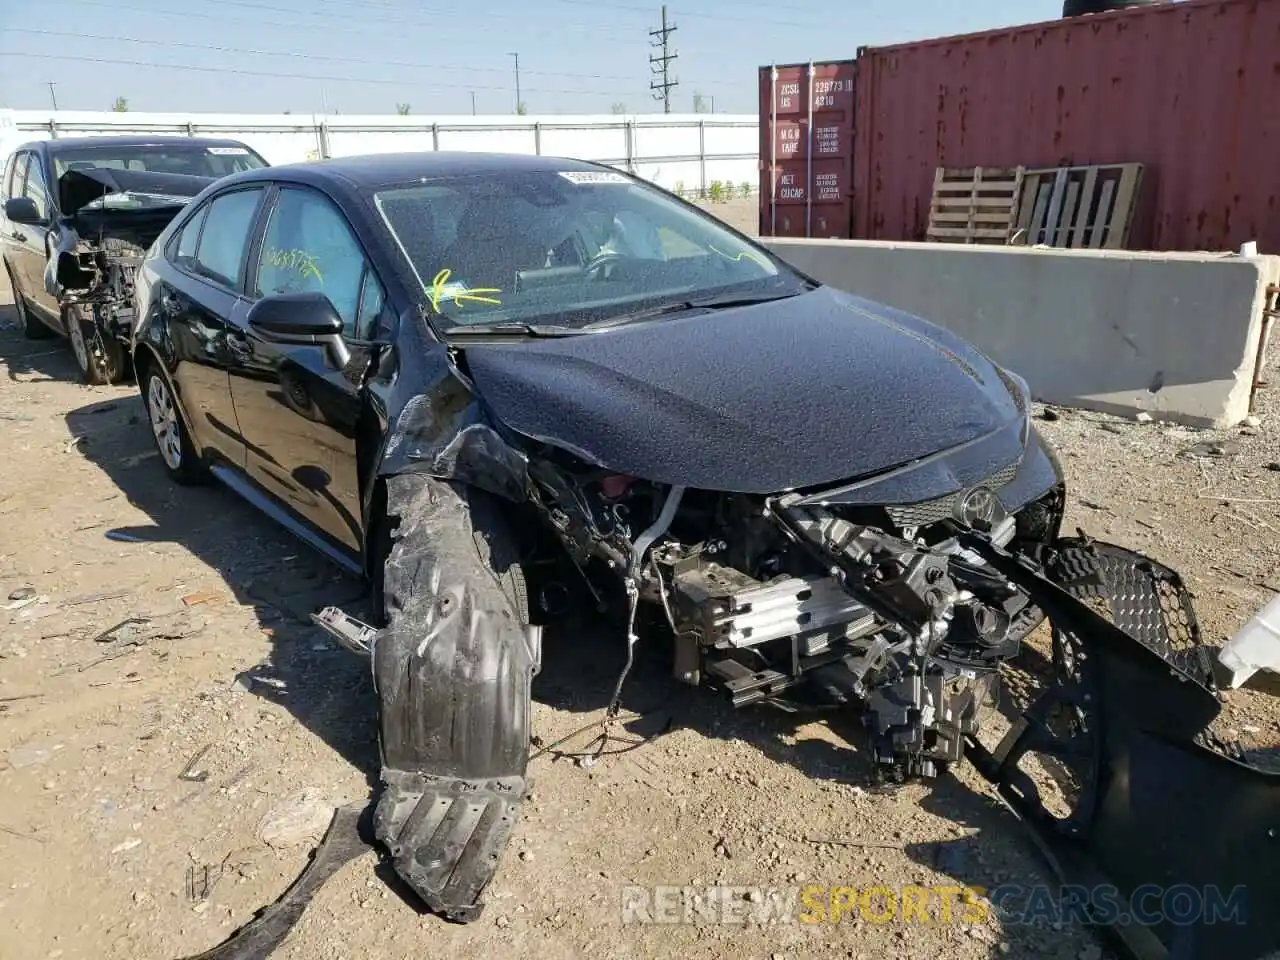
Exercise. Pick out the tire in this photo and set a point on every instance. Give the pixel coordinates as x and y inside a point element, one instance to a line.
<point>453,669</point>
<point>101,359</point>
<point>177,453</point>
<point>30,325</point>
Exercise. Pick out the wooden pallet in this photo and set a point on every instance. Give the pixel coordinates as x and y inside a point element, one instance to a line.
<point>974,204</point>
<point>1078,207</point>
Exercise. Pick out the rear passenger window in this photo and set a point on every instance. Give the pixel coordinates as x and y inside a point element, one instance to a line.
<point>189,236</point>
<point>225,235</point>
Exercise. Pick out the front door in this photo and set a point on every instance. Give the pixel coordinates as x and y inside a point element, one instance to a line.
<point>297,413</point>
<point>30,245</point>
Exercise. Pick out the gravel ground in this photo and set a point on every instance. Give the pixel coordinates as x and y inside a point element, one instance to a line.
<point>741,213</point>
<point>105,852</point>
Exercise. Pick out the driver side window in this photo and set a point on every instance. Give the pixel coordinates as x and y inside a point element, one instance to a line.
<point>309,247</point>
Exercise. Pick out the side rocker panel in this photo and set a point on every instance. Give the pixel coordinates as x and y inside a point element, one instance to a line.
<point>453,670</point>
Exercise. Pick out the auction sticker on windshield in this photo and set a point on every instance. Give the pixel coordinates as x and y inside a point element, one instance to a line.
<point>229,151</point>
<point>591,176</point>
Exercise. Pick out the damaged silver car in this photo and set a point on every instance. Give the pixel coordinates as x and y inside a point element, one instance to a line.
<point>79,213</point>
<point>478,379</point>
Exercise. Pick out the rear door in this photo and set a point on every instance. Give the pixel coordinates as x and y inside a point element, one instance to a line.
<point>298,414</point>
<point>200,300</point>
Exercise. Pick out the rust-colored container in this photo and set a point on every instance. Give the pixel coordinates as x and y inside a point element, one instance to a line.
<point>1187,89</point>
<point>806,149</point>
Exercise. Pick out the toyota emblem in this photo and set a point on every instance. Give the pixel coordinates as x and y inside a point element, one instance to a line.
<point>980,509</point>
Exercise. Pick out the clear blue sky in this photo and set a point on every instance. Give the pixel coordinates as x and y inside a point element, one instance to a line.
<point>365,56</point>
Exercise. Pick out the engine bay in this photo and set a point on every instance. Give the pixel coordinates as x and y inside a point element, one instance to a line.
<point>777,600</point>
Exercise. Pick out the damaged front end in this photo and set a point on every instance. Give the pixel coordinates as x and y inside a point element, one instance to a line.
<point>111,217</point>
<point>911,595</point>
<point>797,602</point>
<point>787,601</point>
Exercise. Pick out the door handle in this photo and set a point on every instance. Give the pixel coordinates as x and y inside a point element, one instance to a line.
<point>18,235</point>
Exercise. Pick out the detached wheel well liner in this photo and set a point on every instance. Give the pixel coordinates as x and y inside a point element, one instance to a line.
<point>453,669</point>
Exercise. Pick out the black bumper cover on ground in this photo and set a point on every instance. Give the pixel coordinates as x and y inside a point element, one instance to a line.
<point>1162,804</point>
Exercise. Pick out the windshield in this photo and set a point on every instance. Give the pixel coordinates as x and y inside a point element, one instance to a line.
<point>566,248</point>
<point>192,160</point>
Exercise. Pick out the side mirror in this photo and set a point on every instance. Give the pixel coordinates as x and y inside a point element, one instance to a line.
<point>24,210</point>
<point>304,319</point>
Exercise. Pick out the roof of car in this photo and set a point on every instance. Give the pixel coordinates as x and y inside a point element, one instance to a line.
<point>383,169</point>
<point>73,143</point>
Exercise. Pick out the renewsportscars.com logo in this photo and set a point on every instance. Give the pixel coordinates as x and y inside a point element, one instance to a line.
<point>1010,904</point>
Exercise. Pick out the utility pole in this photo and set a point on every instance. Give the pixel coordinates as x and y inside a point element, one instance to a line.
<point>660,64</point>
<point>473,103</point>
<point>53,96</point>
<point>517,58</point>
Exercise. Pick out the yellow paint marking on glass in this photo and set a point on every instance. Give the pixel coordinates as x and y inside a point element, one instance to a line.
<point>299,260</point>
<point>744,255</point>
<point>460,297</point>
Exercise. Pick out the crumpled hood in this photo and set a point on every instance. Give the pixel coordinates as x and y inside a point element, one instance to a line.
<point>77,188</point>
<point>166,194</point>
<point>797,393</point>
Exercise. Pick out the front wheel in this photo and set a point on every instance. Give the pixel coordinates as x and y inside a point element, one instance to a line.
<point>100,357</point>
<point>177,452</point>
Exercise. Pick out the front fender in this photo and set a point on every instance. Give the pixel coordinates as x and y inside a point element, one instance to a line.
<point>444,430</point>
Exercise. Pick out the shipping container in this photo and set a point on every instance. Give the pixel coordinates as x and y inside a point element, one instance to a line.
<point>1187,89</point>
<point>806,149</point>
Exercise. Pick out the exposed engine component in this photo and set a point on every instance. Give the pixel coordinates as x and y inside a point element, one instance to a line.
<point>773,600</point>
<point>98,276</point>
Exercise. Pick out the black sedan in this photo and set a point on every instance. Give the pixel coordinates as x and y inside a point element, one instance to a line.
<point>439,369</point>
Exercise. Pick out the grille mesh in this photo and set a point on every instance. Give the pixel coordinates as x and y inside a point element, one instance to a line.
<point>935,511</point>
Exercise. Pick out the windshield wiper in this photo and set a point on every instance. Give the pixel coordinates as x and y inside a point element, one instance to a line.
<point>705,303</point>
<point>506,329</point>
<point>740,301</point>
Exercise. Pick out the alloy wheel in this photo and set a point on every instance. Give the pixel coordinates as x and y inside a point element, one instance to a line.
<point>75,332</point>
<point>164,422</point>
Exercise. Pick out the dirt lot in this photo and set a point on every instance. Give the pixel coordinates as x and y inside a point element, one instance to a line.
<point>105,852</point>
<point>741,213</point>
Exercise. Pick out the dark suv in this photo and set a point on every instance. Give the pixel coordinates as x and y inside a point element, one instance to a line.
<point>77,216</point>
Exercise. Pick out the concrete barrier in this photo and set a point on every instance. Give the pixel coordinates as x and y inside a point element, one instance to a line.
<point>1172,334</point>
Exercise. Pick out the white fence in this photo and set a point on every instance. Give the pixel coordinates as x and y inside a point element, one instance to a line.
<point>689,151</point>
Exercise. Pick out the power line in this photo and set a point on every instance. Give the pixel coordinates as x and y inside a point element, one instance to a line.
<point>438,14</point>
<point>306,56</point>
<point>369,22</point>
<point>290,76</point>
<point>660,64</point>
<point>702,16</point>
<point>446,14</point>
<point>453,15</point>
